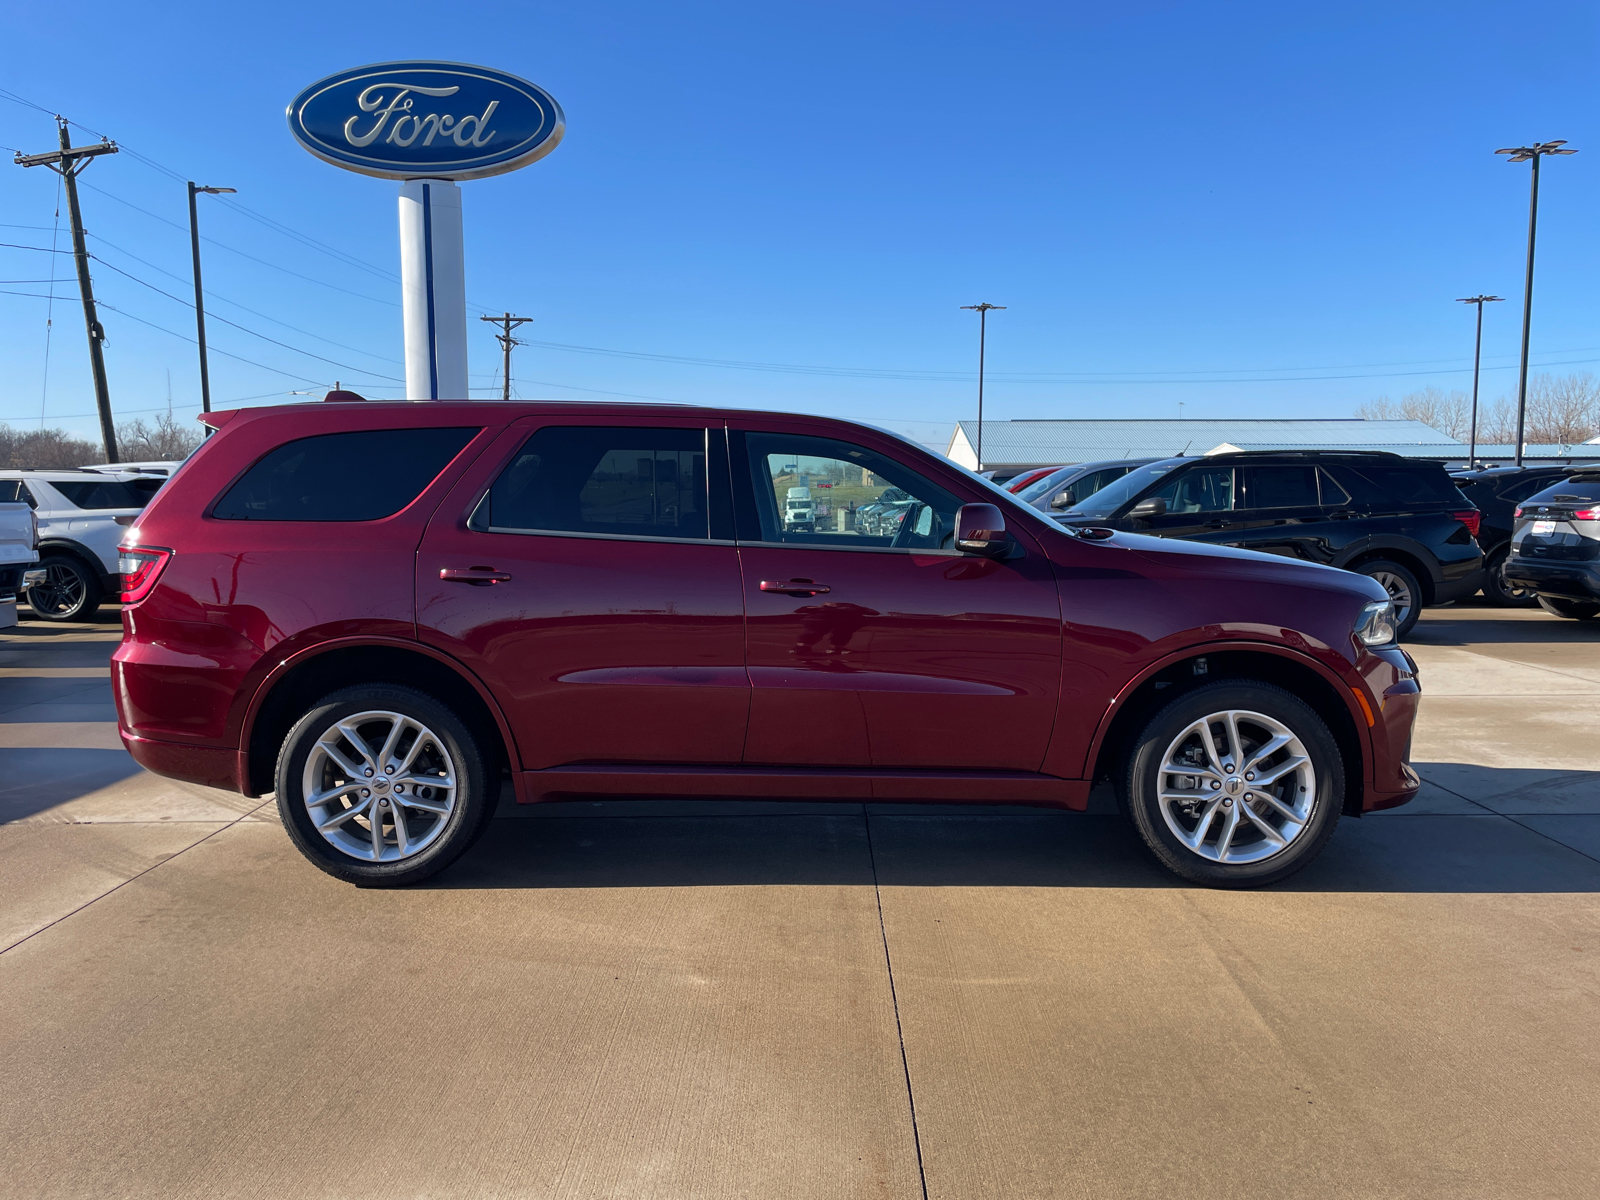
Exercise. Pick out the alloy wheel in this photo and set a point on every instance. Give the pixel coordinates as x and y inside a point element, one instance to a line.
<point>1399,592</point>
<point>379,786</point>
<point>61,594</point>
<point>1236,787</point>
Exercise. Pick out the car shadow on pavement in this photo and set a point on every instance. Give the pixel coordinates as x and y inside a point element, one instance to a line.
<point>674,844</point>
<point>1468,632</point>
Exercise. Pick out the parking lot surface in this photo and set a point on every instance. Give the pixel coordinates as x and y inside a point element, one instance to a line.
<point>704,999</point>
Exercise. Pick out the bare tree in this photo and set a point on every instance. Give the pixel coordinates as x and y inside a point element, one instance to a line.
<point>1448,412</point>
<point>45,449</point>
<point>1563,409</point>
<point>162,440</point>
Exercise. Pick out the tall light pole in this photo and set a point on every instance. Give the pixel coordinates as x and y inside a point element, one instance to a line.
<point>983,310</point>
<point>199,296</point>
<point>1477,353</point>
<point>1532,154</point>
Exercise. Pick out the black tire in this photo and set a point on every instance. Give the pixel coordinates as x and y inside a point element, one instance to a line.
<point>1142,777</point>
<point>1401,584</point>
<point>448,836</point>
<point>70,592</point>
<point>1574,610</point>
<point>1495,588</point>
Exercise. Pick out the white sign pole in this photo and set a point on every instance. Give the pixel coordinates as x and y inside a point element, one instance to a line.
<point>433,288</point>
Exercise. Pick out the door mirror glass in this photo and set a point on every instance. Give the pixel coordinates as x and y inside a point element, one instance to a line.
<point>980,529</point>
<point>1155,506</point>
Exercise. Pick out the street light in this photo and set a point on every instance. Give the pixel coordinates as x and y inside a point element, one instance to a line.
<point>1477,351</point>
<point>1529,154</point>
<point>983,310</point>
<point>199,297</point>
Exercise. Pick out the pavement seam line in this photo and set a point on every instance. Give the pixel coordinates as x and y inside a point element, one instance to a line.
<point>894,999</point>
<point>1547,836</point>
<point>1520,663</point>
<point>140,875</point>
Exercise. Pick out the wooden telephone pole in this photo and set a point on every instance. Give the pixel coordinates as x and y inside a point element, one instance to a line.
<point>69,162</point>
<point>507,324</point>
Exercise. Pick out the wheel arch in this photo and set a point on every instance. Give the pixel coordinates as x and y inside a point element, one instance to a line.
<point>1160,684</point>
<point>299,681</point>
<point>61,545</point>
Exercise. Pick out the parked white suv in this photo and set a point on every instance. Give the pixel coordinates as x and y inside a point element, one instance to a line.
<point>82,516</point>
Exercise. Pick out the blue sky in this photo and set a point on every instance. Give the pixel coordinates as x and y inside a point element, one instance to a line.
<point>1254,210</point>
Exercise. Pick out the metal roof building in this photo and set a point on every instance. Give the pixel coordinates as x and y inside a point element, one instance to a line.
<point>1019,445</point>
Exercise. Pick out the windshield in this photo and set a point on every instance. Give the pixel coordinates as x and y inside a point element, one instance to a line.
<point>1117,493</point>
<point>1045,483</point>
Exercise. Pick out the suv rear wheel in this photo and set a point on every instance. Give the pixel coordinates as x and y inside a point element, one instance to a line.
<point>1497,590</point>
<point>1577,610</point>
<point>1235,784</point>
<point>1403,589</point>
<point>70,591</point>
<point>383,785</point>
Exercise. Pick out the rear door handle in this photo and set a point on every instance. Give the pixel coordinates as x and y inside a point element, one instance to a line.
<point>1219,523</point>
<point>794,587</point>
<point>478,575</point>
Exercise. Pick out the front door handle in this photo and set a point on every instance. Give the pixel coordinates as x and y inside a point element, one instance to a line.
<point>1219,523</point>
<point>794,587</point>
<point>478,575</point>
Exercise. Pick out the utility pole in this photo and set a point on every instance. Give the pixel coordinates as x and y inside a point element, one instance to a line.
<point>507,324</point>
<point>199,296</point>
<point>983,310</point>
<point>1477,355</point>
<point>69,162</point>
<point>1524,154</point>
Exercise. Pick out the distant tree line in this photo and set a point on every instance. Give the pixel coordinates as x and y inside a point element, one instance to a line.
<point>163,439</point>
<point>1562,410</point>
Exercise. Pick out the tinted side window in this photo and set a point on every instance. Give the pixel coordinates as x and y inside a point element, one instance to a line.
<point>1521,489</point>
<point>1333,496</point>
<point>102,493</point>
<point>644,482</point>
<point>1281,487</point>
<point>1408,485</point>
<point>342,476</point>
<point>14,490</point>
<point>1203,489</point>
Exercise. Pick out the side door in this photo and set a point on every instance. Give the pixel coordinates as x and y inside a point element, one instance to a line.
<point>1280,512</point>
<point>1199,505</point>
<point>881,645</point>
<point>588,574</point>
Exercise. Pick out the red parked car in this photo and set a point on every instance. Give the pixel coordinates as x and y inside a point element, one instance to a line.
<point>379,610</point>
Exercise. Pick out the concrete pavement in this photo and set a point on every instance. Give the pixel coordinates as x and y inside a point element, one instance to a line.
<point>701,999</point>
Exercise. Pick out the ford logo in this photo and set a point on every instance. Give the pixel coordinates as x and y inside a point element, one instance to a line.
<point>426,120</point>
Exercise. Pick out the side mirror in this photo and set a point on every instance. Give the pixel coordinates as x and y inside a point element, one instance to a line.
<point>1061,501</point>
<point>980,529</point>
<point>1153,507</point>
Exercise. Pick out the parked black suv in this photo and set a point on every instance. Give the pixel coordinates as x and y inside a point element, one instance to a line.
<point>1555,547</point>
<point>1496,491</point>
<point>1401,521</point>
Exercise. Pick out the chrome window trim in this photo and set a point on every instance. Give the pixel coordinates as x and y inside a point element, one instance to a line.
<point>604,537</point>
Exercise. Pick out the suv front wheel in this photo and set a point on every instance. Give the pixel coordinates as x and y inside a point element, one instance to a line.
<point>1234,784</point>
<point>70,591</point>
<point>382,786</point>
<point>1404,590</point>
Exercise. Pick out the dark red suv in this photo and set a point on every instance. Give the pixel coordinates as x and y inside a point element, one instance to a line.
<point>378,610</point>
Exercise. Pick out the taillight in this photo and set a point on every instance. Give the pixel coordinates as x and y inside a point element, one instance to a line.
<point>140,568</point>
<point>1471,519</point>
<point>1518,512</point>
<point>1587,514</point>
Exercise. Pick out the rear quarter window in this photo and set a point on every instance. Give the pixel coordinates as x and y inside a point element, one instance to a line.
<point>359,476</point>
<point>103,493</point>
<point>1401,485</point>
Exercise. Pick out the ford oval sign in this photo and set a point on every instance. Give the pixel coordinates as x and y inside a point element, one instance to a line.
<point>426,120</point>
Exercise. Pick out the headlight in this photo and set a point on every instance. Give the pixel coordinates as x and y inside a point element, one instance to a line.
<point>1375,626</point>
